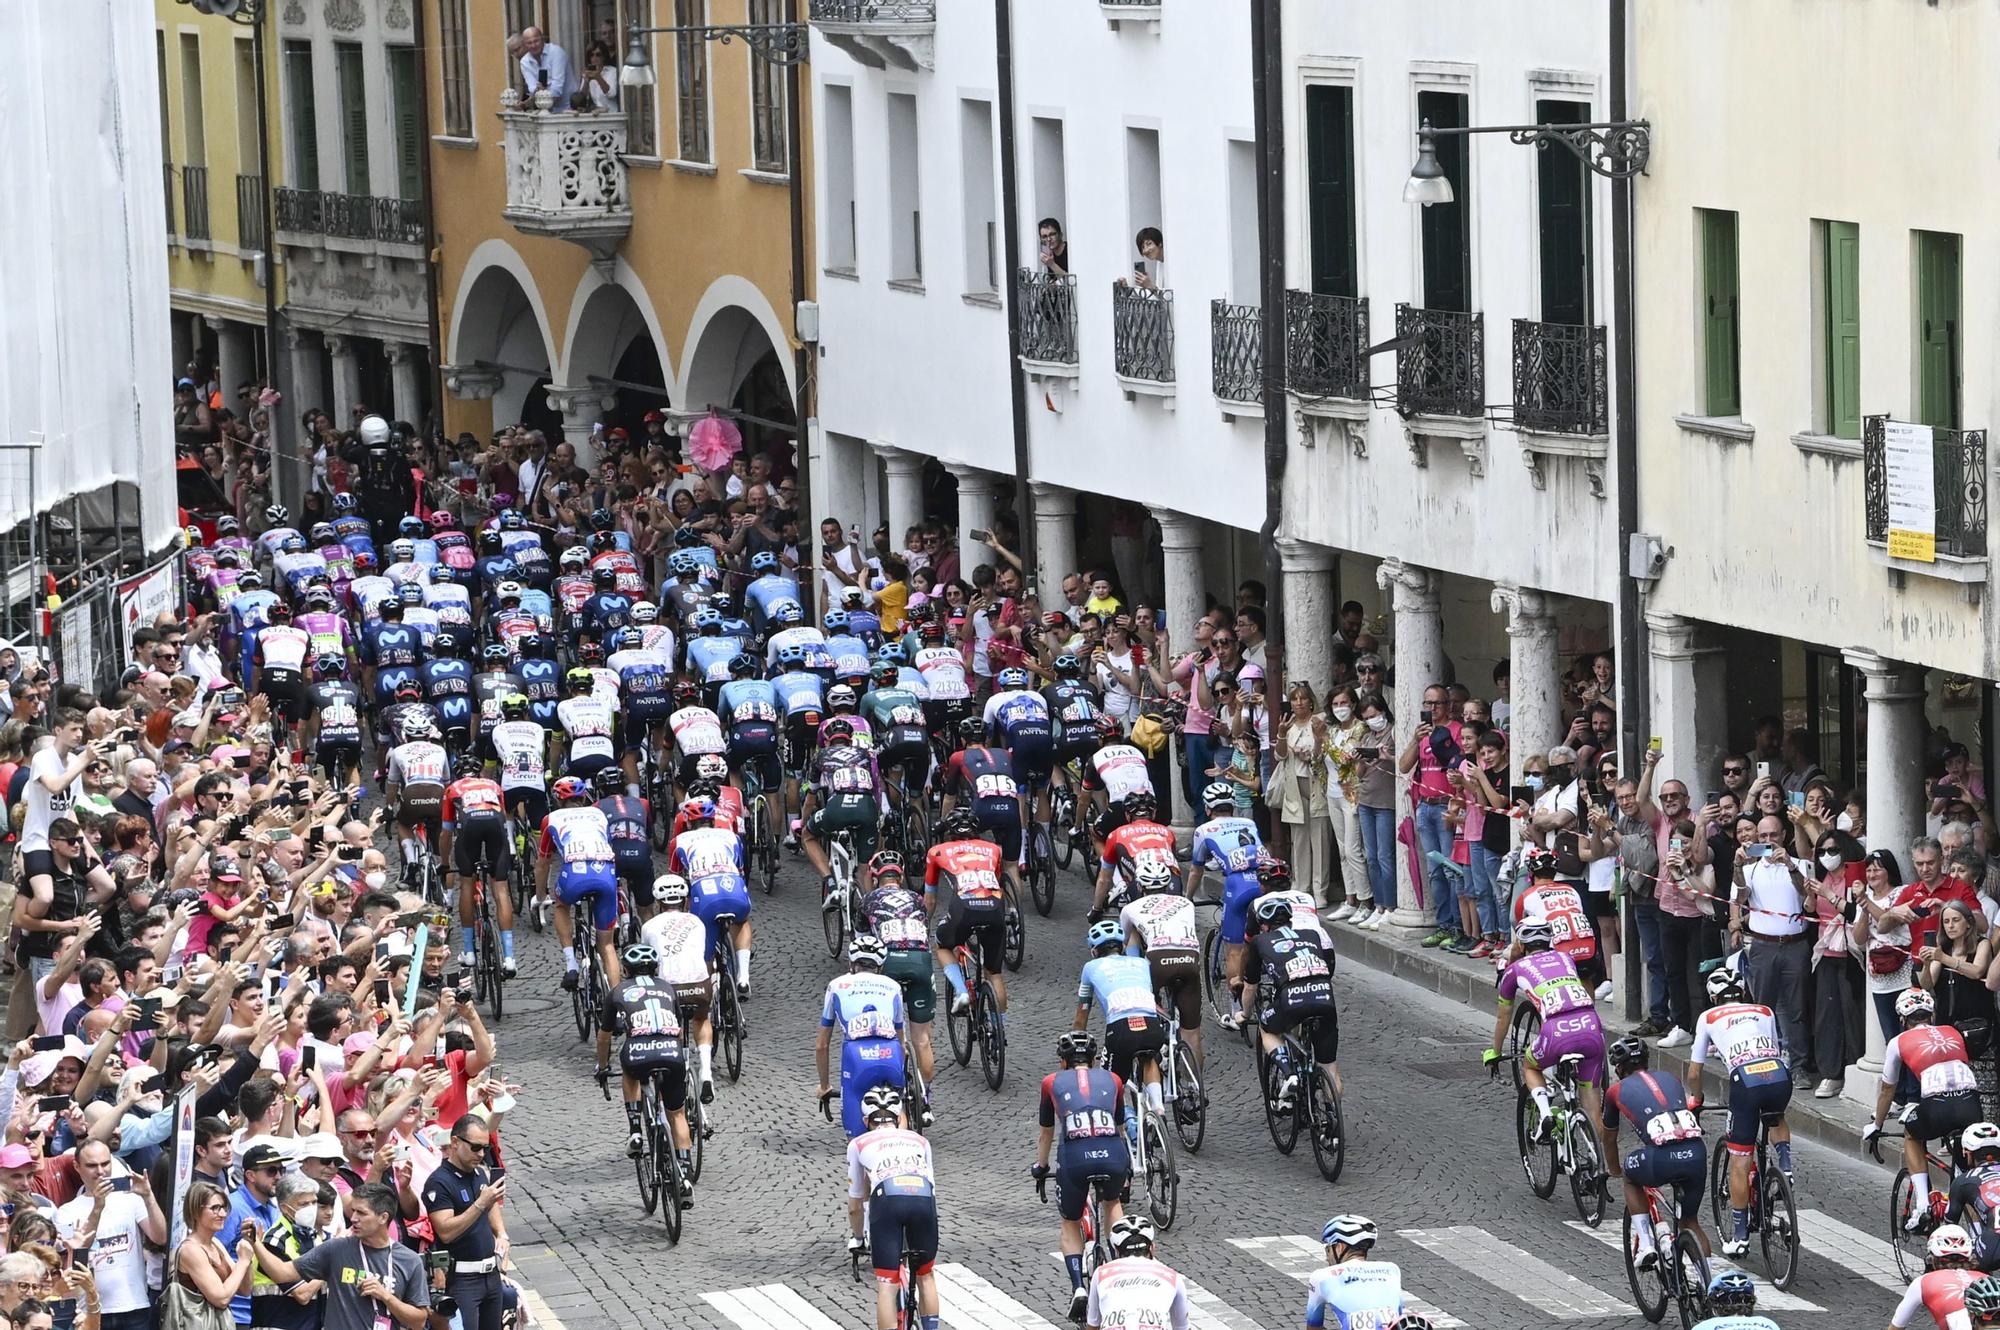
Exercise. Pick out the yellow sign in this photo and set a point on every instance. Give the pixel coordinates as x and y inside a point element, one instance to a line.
<point>1920,546</point>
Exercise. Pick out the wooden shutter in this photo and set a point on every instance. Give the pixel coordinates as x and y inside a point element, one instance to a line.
<point>409,128</point>
<point>1562,209</point>
<point>1937,328</point>
<point>1842,246</point>
<point>1719,330</point>
<point>302,97</point>
<point>353,116</point>
<point>1330,189</point>
<point>1446,234</point>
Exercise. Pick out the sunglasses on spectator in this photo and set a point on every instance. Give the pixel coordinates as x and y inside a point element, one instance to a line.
<point>1223,641</point>
<point>66,840</point>
<point>1734,771</point>
<point>1368,669</point>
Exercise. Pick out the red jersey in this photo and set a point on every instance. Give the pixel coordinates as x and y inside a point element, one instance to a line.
<point>1136,842</point>
<point>473,797</point>
<point>728,815</point>
<point>1943,1292</point>
<point>972,865</point>
<point>1562,908</point>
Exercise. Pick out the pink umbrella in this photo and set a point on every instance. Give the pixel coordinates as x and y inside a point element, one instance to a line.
<point>713,441</point>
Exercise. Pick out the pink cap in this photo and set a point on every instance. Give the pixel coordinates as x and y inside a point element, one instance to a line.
<point>16,1156</point>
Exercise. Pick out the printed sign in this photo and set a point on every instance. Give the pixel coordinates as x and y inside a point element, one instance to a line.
<point>1912,490</point>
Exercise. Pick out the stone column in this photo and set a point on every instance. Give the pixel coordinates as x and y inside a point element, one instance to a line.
<point>1688,691</point>
<point>234,357</point>
<point>1180,547</point>
<point>904,507</point>
<point>1055,540</point>
<point>346,380</point>
<point>1534,724</point>
<point>1306,592</point>
<point>1418,629</point>
<point>305,391</point>
<point>581,408</point>
<point>406,367</point>
<point>977,493</point>
<point>1895,746</point>
<point>180,329</point>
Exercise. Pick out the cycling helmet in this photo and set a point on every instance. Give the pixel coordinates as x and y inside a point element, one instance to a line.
<point>512,521</point>
<point>364,561</point>
<point>1012,678</point>
<point>1068,666</point>
<point>604,577</point>
<point>319,597</point>
<point>686,537</point>
<point>293,544</point>
<point>959,824</point>
<point>590,651</point>
<point>609,781</point>
<point>508,590</point>
<point>743,667</point>
<point>697,810</point>
<point>466,765</point>
<point>445,643</point>
<point>1541,864</point>
<point>279,612</point>
<point>1949,1245</point>
<point>1272,911</point>
<point>533,647</point>
<point>789,614</point>
<point>628,638</point>
<point>322,533</point>
<point>345,503</point>
<point>930,630</point>
<point>1076,1047</point>
<point>569,788</point>
<point>600,519</point>
<point>495,654</point>
<point>579,679</point>
<point>893,653</point>
<point>443,521</point>
<point>250,581</point>
<point>1132,1235</point>
<point>711,766</point>
<point>840,729</point>
<point>707,621</point>
<point>644,612</point>
<point>1534,933</point>
<point>419,727</point>
<point>1150,875</point>
<point>416,528</point>
<point>841,698</point>
<point>867,949</point>
<point>881,1101</point>
<point>763,561</point>
<point>1107,727</point>
<point>514,706</point>
<point>1725,985</point>
<point>573,558</point>
<point>885,861</point>
<point>402,550</point>
<point>1982,1301</point>
<point>1628,1055</point>
<point>1915,1004</point>
<point>641,958</point>
<point>409,690</point>
<point>1273,874</point>
<point>793,656</point>
<point>1105,933</point>
<point>228,557</point>
<point>227,525</point>
<point>686,692</point>
<point>602,542</point>
<point>277,514</point>
<point>971,731</point>
<point>836,621</point>
<point>1218,792</point>
<point>884,674</point>
<point>1413,1321</point>
<point>681,563</point>
<point>329,666</point>
<point>1355,1232</point>
<point>1980,1137</point>
<point>671,890</point>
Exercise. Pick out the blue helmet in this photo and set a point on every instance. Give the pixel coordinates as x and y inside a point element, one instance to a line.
<point>763,561</point>
<point>1013,677</point>
<point>410,593</point>
<point>682,563</point>
<point>512,521</point>
<point>1106,933</point>
<point>789,613</point>
<point>836,621</point>
<point>628,639</point>
<point>416,528</point>
<point>1732,1291</point>
<point>892,652</point>
<point>793,656</point>
<point>345,503</point>
<point>293,544</point>
<point>706,620</point>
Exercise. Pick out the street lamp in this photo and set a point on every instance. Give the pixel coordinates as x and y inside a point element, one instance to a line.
<point>1427,183</point>
<point>1615,149</point>
<point>776,43</point>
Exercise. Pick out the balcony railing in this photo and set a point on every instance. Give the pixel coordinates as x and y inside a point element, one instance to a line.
<point>566,177</point>
<point>1236,341</point>
<point>194,201</point>
<point>880,33</point>
<point>250,213</point>
<point>173,219</point>
<point>1047,306</point>
<point>1958,487</point>
<point>1142,333</point>
<point>1559,378</point>
<point>1326,345</point>
<point>323,212</point>
<point>1441,363</point>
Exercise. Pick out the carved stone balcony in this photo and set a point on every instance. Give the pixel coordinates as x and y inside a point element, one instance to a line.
<point>881,34</point>
<point>566,177</point>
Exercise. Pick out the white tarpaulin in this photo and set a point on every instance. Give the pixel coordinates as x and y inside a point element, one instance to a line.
<point>85,351</point>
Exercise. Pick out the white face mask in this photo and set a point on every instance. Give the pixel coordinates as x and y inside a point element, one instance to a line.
<point>1343,714</point>
<point>1378,723</point>
<point>1829,861</point>
<point>307,1216</point>
<point>1845,822</point>
<point>375,879</point>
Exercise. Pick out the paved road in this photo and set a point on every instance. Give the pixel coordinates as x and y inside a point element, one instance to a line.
<point>1431,1159</point>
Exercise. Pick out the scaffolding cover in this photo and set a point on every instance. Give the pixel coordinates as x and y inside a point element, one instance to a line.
<point>85,349</point>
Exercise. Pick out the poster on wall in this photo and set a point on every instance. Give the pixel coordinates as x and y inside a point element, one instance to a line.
<point>144,598</point>
<point>79,659</point>
<point>1912,491</point>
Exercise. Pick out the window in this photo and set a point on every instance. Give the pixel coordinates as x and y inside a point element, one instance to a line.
<point>1721,380</point>
<point>691,74</point>
<point>982,214</point>
<point>407,108</point>
<point>1142,190</point>
<point>906,240</point>
<point>526,14</point>
<point>1330,190</point>
<point>642,119</point>
<point>1245,271</point>
<point>1562,217</point>
<point>767,97</point>
<point>1446,227</point>
<point>353,85</point>
<point>166,120</point>
<point>194,138</point>
<point>838,164</point>
<point>247,143</point>
<point>455,58</point>
<point>303,156</point>
<point>1840,328</point>
<point>1937,328</point>
<point>1051,187</point>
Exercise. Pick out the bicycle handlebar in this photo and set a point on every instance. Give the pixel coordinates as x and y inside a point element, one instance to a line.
<point>826,1104</point>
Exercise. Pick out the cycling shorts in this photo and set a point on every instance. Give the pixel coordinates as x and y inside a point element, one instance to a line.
<point>635,871</point>
<point>941,715</point>
<point>585,766</point>
<point>913,968</point>
<point>644,712</point>
<point>1113,1172</point>
<point>1177,978</point>
<point>1752,1101</point>
<point>529,804</point>
<point>644,1055</point>
<point>1238,891</point>
<point>1683,1165</point>
<point>1127,1038</point>
<point>900,1225</point>
<point>484,837</point>
<point>338,758</point>
<point>1945,1117</point>
<point>1002,817</point>
<point>691,1000</point>
<point>1321,1027</point>
<point>905,749</point>
<point>1033,755</point>
<point>855,813</point>
<point>755,747</point>
<point>421,805</point>
<point>711,907</point>
<point>287,691</point>
<point>593,880</point>
<point>865,1064</point>
<point>985,920</point>
<point>1572,1032</point>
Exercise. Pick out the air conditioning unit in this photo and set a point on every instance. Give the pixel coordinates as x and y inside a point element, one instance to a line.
<point>806,320</point>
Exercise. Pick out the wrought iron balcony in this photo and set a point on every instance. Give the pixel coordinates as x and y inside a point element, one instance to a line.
<point>566,176</point>
<point>194,202</point>
<point>250,213</point>
<point>1958,485</point>
<point>1559,378</point>
<point>173,219</point>
<point>1326,345</point>
<point>1047,305</point>
<point>1138,13</point>
<point>1236,341</point>
<point>322,212</point>
<point>880,33</point>
<point>1441,362</point>
<point>1142,333</point>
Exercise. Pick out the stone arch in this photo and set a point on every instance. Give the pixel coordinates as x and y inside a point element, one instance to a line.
<point>498,318</point>
<point>608,319</point>
<point>733,327</point>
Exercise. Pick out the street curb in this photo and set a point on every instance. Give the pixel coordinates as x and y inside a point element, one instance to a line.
<point>1835,1123</point>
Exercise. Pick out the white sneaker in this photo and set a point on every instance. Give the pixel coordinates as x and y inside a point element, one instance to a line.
<point>1675,1037</point>
<point>1346,911</point>
<point>1604,991</point>
<point>507,969</point>
<point>1373,923</point>
<point>1827,1089</point>
<point>1735,1247</point>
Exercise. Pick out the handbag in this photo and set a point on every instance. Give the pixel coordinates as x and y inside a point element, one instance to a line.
<point>1887,960</point>
<point>181,1308</point>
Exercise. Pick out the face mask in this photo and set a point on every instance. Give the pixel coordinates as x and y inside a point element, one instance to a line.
<point>375,879</point>
<point>307,1216</point>
<point>1829,861</point>
<point>1378,723</point>
<point>1343,714</point>
<point>1533,780</point>
<point>1844,822</point>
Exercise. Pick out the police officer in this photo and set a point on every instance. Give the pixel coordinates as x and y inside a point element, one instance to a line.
<point>462,1199</point>
<point>383,479</point>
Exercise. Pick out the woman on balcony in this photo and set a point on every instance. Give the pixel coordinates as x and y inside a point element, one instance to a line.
<point>600,77</point>
<point>1150,272</point>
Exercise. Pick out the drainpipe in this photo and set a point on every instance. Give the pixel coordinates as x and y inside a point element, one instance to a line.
<point>1267,85</point>
<point>803,401</point>
<point>280,378</point>
<point>1010,230</point>
<point>436,247</point>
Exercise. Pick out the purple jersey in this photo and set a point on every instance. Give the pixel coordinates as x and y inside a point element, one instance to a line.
<point>1548,979</point>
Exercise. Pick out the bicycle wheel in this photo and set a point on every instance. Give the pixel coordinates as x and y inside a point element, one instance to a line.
<point>1190,1113</point>
<point>1520,1038</point>
<point>1903,1201</point>
<point>579,999</point>
<point>1690,1279</point>
<point>833,923</point>
<point>1537,1161</point>
<point>1214,988</point>
<point>730,1028</point>
<point>697,1116</point>
<point>1062,828</point>
<point>1329,1131</point>
<point>1041,878</point>
<point>1649,1291</point>
<point>1015,949</point>
<point>1586,1172</point>
<point>992,1038</point>
<point>1718,1191</point>
<point>672,1197</point>
<point>647,1165</point>
<point>916,831</point>
<point>958,1024</point>
<point>1778,1226</point>
<point>489,961</point>
<point>1278,1117</point>
<point>1163,1178</point>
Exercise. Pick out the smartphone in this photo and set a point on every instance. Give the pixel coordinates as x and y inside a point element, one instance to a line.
<point>382,991</point>
<point>49,1043</point>
<point>284,920</point>
<point>349,853</point>
<point>1368,754</point>
<point>1758,850</point>
<point>146,1013</point>
<point>121,1183</point>
<point>1795,798</point>
<point>411,918</point>
<point>981,536</point>
<point>1520,794</point>
<point>308,1057</point>
<point>454,981</point>
<point>1712,797</point>
<point>1675,844</point>
<point>1763,771</point>
<point>53,1103</point>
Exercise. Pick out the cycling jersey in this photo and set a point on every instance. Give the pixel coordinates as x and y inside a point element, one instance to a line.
<point>522,747</point>
<point>891,1169</point>
<point>1231,846</point>
<point>475,813</point>
<point>418,770</point>
<point>728,815</point>
<point>798,692</point>
<point>810,639</point>
<point>588,722</point>
<point>643,1009</point>
<point>1942,1294</point>
<point>1085,1109</point>
<point>631,582</point>
<point>1358,1295</point>
<point>846,770</point>
<point>626,820</point>
<point>711,859</point>
<point>337,706</point>
<point>1137,1291</point>
<point>943,669</point>
<point>385,644</point>
<point>448,687</point>
<point>283,647</point>
<point>749,703</point>
<point>897,717</point>
<point>488,688</point>
<point>1118,769</point>
<point>889,1161</point>
<point>642,681</point>
<point>986,777</point>
<point>849,655</point>
<point>1559,904</point>
<point>1935,1054</point>
<point>540,684</point>
<point>697,732</point>
<point>1745,1036</point>
<point>1655,1104</point>
<point>1019,720</point>
<point>1074,710</point>
<point>1159,921</point>
<point>682,941</point>
<point>709,657</point>
<point>766,595</point>
<point>607,611</point>
<point>867,1008</point>
<point>328,633</point>
<point>1136,843</point>
<point>578,839</point>
<point>1122,985</point>
<point>1548,979</point>
<point>898,917</point>
<point>1293,974</point>
<point>969,869</point>
<point>473,799</point>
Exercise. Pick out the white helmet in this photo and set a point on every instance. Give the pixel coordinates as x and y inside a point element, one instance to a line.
<point>277,514</point>
<point>1217,792</point>
<point>867,949</point>
<point>1150,875</point>
<point>374,430</point>
<point>1133,1235</point>
<point>1725,985</point>
<point>671,890</point>
<point>711,766</point>
<point>1352,1231</point>
<point>1949,1242</point>
<point>644,611</point>
<point>887,1101</point>
<point>1978,1137</point>
<point>1534,933</point>
<point>1915,1002</point>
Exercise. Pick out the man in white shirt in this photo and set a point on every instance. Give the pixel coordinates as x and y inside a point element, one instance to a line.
<point>119,1210</point>
<point>546,65</point>
<point>1766,909</point>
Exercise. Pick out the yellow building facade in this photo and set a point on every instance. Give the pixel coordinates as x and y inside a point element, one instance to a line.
<point>637,254</point>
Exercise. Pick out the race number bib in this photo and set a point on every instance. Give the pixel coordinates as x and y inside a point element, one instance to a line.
<point>1672,1126</point>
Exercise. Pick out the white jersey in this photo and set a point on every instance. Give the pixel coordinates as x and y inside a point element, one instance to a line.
<point>295,568</point>
<point>863,1004</point>
<point>1360,1295</point>
<point>604,686</point>
<point>1122,770</point>
<point>522,747</point>
<point>889,1161</point>
<point>814,642</point>
<point>422,618</point>
<point>370,592</point>
<point>583,717</point>
<point>659,638</point>
<point>944,673</point>
<point>1740,1033</point>
<point>682,941</point>
<point>1161,921</point>
<point>632,657</point>
<point>1305,914</point>
<point>419,762</point>
<point>697,730</point>
<point>1139,1293</point>
<point>283,647</point>
<point>406,571</point>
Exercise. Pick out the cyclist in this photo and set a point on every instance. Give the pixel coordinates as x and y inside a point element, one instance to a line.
<point>849,653</point>
<point>1133,1289</point>
<point>575,840</point>
<point>1293,970</point>
<point>798,692</point>
<point>1948,1096</point>
<point>1669,1149</point>
<point>901,918</point>
<point>1568,1010</point>
<point>768,590</point>
<point>282,648</point>
<point>1941,1288</point>
<point>897,717</point>
<point>868,1006</point>
<point>589,724</point>
<point>1230,845</point>
<point>1732,1296</point>
<point>1159,924</point>
<point>984,778</point>
<point>1115,772</point>
<point>1133,1032</point>
<point>606,608</point>
<point>541,681</point>
<point>332,731</point>
<point>681,939</point>
<point>711,859</point>
<point>844,702</point>
<point>475,827</point>
<point>947,696</point>
<point>448,688</point>
<point>1135,840</point>
<point>1352,1286</point>
<point>697,730</point>
<point>710,773</point>
<point>1975,1193</point>
<point>968,866</point>
<point>1017,718</point>
<point>415,786</point>
<point>1982,1303</point>
<point>1087,1105</point>
<point>642,683</point>
<point>1760,1087</point>
<point>1076,711</point>
<point>709,651</point>
<point>490,687</point>
<point>1275,877</point>
<point>749,706</point>
<point>626,819</point>
<point>1559,904</point>
<point>645,1010</point>
<point>845,795</point>
<point>890,1180</point>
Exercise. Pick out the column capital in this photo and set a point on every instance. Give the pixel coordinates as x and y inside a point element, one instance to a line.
<point>215,322</point>
<point>1414,588</point>
<point>1886,680</point>
<point>336,345</point>
<point>898,459</point>
<point>1302,556</point>
<point>1676,637</point>
<point>575,400</point>
<point>295,336</point>
<point>471,383</point>
<point>397,353</point>
<point>972,479</point>
<point>1178,531</point>
<point>1527,609</point>
<point>1052,500</point>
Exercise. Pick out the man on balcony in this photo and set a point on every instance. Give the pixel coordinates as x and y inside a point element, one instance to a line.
<point>546,65</point>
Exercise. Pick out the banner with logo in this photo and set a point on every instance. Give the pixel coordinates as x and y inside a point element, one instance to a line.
<point>144,598</point>
<point>183,1111</point>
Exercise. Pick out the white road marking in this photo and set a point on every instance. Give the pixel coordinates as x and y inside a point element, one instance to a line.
<point>1866,1254</point>
<point>769,1305</point>
<point>1768,1297</point>
<point>1299,1255</point>
<point>1205,1310</point>
<point>968,1301</point>
<point>1554,1293</point>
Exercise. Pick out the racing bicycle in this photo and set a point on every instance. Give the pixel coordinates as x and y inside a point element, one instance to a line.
<point>1570,1146</point>
<point>838,923</point>
<point>980,1024</point>
<point>1774,1215</point>
<point>1679,1275</point>
<point>1313,1108</point>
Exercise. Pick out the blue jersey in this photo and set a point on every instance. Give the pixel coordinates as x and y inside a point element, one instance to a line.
<point>493,569</point>
<point>1085,1106</point>
<point>536,601</point>
<point>1018,714</point>
<point>606,610</point>
<point>1655,1103</point>
<point>541,684</point>
<point>1122,985</point>
<point>1228,845</point>
<point>352,525</point>
<point>391,644</point>
<point>862,1005</point>
<point>849,653</point>
<point>709,657</point>
<point>866,625</point>
<point>797,691</point>
<point>767,593</point>
<point>448,687</point>
<point>426,552</point>
<point>748,702</point>
<point>1357,1295</point>
<point>642,681</point>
